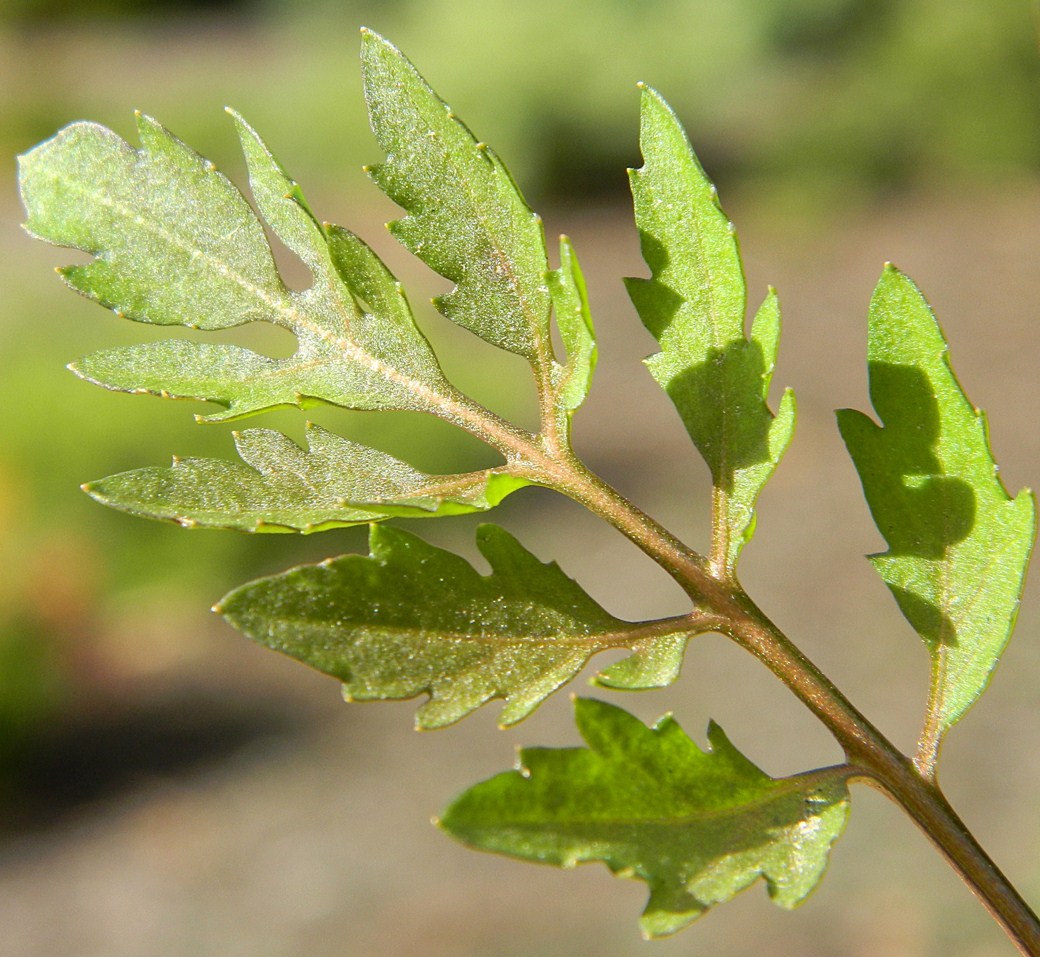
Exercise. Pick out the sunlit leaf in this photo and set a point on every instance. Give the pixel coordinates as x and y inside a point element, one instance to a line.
<point>466,218</point>
<point>697,826</point>
<point>574,319</point>
<point>958,544</point>
<point>694,304</point>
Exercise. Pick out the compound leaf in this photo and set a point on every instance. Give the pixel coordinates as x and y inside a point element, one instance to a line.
<point>694,304</point>
<point>412,619</point>
<point>465,216</point>
<point>958,544</point>
<point>176,244</point>
<point>279,487</point>
<point>697,826</point>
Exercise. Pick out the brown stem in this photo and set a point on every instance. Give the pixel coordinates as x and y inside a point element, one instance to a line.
<point>866,748</point>
<point>931,812</point>
<point>875,758</point>
<point>894,774</point>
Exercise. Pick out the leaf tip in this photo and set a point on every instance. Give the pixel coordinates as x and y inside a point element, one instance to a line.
<point>368,35</point>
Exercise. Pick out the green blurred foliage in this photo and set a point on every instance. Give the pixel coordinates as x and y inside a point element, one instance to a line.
<point>807,94</point>
<point>805,101</point>
<point>41,11</point>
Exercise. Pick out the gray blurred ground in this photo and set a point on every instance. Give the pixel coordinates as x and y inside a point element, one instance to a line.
<point>316,840</point>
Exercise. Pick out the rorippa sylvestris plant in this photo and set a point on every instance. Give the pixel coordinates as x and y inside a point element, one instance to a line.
<point>175,243</point>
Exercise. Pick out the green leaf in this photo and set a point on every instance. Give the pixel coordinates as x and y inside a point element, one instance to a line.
<point>694,304</point>
<point>958,545</point>
<point>465,216</point>
<point>278,487</point>
<point>413,619</point>
<point>574,319</point>
<point>697,826</point>
<point>176,244</point>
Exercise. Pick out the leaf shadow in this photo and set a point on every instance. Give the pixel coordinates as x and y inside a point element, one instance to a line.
<point>719,399</point>
<point>926,512</point>
<point>721,402</point>
<point>655,301</point>
<point>935,627</point>
<point>921,512</point>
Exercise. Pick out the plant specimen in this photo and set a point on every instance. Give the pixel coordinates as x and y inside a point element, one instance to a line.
<point>174,243</point>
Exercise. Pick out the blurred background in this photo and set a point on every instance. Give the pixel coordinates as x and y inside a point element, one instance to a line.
<point>168,789</point>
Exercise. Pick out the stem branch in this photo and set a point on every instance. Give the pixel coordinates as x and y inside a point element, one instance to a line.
<point>895,775</point>
<point>876,759</point>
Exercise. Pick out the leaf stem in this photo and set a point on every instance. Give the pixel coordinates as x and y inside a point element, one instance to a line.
<point>928,743</point>
<point>470,416</point>
<point>547,460</point>
<point>720,531</point>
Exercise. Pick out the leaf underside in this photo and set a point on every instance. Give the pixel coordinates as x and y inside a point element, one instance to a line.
<point>958,544</point>
<point>697,826</point>
<point>411,619</point>
<point>279,487</point>
<point>466,219</point>
<point>694,304</point>
<point>175,243</point>
<point>465,216</point>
